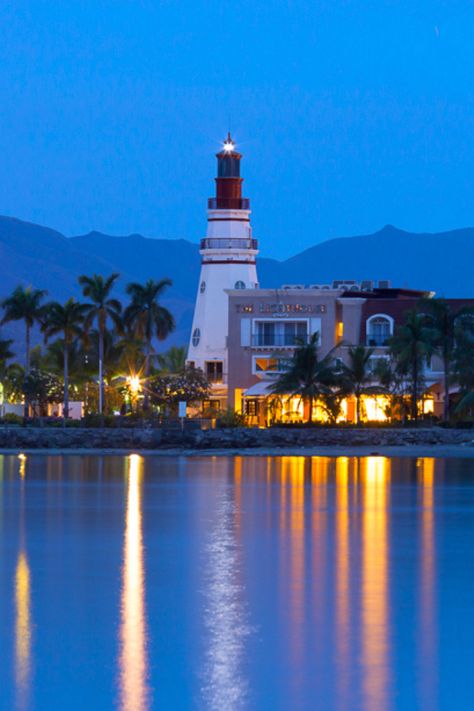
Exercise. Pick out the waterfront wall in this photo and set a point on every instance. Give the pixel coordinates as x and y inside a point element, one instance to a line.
<point>18,438</point>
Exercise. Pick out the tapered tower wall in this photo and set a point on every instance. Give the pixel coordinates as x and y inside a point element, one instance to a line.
<point>228,254</point>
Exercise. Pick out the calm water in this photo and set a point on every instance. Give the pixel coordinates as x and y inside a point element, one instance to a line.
<point>236,583</point>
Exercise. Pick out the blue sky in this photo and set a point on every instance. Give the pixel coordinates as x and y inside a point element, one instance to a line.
<point>351,115</point>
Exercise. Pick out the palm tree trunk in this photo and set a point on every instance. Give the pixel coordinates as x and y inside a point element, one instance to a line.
<point>146,398</point>
<point>101,371</point>
<point>446,389</point>
<point>66,381</point>
<point>414,396</point>
<point>27,368</point>
<point>357,408</point>
<point>310,412</point>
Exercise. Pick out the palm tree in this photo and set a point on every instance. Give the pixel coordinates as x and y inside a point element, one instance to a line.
<point>307,375</point>
<point>447,326</point>
<point>173,361</point>
<point>5,352</point>
<point>411,345</point>
<point>463,358</point>
<point>147,318</point>
<point>101,308</point>
<point>5,355</point>
<point>68,320</point>
<point>24,304</point>
<point>358,372</point>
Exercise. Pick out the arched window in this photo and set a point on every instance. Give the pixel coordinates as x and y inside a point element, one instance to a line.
<point>239,285</point>
<point>196,337</point>
<point>379,330</point>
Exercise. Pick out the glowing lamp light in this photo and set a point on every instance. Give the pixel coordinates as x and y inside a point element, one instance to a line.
<point>134,383</point>
<point>229,146</point>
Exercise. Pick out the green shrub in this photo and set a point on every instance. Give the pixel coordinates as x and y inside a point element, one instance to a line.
<point>230,418</point>
<point>11,419</point>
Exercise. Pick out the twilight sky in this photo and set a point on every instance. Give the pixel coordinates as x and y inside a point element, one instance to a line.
<point>350,114</point>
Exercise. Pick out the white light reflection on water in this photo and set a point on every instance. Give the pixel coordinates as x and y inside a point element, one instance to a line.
<point>23,625</point>
<point>133,662</point>
<point>226,617</point>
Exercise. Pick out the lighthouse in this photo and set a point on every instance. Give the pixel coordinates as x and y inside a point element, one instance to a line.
<point>228,254</point>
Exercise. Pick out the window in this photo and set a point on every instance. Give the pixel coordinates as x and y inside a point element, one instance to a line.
<point>239,285</point>
<point>214,371</point>
<point>270,365</point>
<point>251,408</point>
<point>202,288</point>
<point>379,330</point>
<point>196,337</point>
<point>211,406</point>
<point>280,333</point>
<point>376,362</point>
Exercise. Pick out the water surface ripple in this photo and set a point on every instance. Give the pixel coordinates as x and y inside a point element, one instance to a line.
<point>232,583</point>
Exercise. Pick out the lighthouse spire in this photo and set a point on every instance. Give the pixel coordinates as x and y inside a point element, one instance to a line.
<point>228,261</point>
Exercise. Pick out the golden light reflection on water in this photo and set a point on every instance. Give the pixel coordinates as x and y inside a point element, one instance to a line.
<point>427,604</point>
<point>319,520</point>
<point>292,477</point>
<point>342,580</point>
<point>134,693</point>
<point>22,596</point>
<point>375,479</point>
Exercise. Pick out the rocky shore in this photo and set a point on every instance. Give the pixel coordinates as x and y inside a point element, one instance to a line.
<point>57,438</point>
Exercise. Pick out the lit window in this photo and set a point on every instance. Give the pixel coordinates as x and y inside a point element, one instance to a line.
<point>196,337</point>
<point>239,285</point>
<point>202,288</point>
<point>271,365</point>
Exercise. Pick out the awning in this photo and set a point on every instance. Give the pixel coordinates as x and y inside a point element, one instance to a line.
<point>260,389</point>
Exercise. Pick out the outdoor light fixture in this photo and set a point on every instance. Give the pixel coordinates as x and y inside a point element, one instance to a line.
<point>134,383</point>
<point>229,146</point>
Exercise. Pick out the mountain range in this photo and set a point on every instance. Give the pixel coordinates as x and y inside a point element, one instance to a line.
<point>46,259</point>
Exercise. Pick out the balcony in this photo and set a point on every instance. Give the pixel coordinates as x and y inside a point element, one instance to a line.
<point>377,340</point>
<point>228,204</point>
<point>211,243</point>
<point>277,340</point>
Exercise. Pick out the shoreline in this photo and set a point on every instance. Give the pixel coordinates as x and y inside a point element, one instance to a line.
<point>440,451</point>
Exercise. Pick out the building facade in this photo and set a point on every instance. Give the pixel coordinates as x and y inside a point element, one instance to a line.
<point>244,336</point>
<point>266,325</point>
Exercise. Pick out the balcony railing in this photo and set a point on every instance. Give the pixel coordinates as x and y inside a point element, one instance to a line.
<point>228,203</point>
<point>378,340</point>
<point>211,243</point>
<point>278,340</point>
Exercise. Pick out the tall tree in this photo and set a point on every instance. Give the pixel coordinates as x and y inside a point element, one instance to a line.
<point>358,372</point>
<point>148,318</point>
<point>173,361</point>
<point>5,352</point>
<point>447,326</point>
<point>101,308</point>
<point>24,304</point>
<point>307,375</point>
<point>68,320</point>
<point>411,346</point>
<point>464,372</point>
<point>5,355</point>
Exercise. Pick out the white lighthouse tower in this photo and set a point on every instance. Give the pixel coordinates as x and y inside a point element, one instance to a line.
<point>228,255</point>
